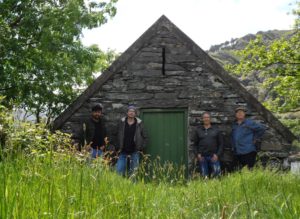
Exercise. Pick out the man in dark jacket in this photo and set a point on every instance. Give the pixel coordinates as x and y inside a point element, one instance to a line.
<point>245,133</point>
<point>132,140</point>
<point>92,132</point>
<point>208,144</point>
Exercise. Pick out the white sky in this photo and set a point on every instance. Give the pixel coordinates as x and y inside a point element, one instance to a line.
<point>207,22</point>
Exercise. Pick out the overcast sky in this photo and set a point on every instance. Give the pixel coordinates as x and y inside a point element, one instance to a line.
<point>207,22</point>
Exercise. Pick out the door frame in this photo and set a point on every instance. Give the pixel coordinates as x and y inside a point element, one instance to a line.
<point>185,113</point>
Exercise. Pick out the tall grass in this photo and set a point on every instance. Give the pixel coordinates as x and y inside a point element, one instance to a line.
<point>63,187</point>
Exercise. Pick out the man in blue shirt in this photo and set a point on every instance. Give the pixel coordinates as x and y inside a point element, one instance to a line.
<point>245,132</point>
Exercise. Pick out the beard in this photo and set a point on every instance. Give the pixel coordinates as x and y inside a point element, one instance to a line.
<point>96,117</point>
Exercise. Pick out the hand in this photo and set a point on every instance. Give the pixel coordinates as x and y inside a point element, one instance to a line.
<point>199,157</point>
<point>106,140</point>
<point>214,157</point>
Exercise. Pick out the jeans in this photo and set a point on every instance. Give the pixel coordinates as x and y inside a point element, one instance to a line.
<point>96,153</point>
<point>209,167</point>
<point>134,160</point>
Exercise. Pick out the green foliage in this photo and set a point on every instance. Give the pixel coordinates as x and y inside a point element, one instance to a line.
<point>296,12</point>
<point>42,60</point>
<point>155,171</point>
<point>5,122</point>
<point>279,63</point>
<point>293,124</point>
<point>28,139</point>
<point>41,176</point>
<point>67,188</point>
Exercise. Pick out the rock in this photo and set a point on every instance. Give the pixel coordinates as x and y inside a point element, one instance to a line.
<point>138,85</point>
<point>271,145</point>
<point>117,105</point>
<point>106,87</point>
<point>173,67</point>
<point>175,72</point>
<point>165,95</point>
<point>185,94</point>
<point>198,69</point>
<point>154,88</point>
<point>148,73</point>
<point>294,157</point>
<point>117,96</point>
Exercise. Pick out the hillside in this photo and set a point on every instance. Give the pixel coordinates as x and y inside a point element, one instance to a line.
<point>224,53</point>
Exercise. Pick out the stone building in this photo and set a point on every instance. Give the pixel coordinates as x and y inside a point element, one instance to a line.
<point>172,81</point>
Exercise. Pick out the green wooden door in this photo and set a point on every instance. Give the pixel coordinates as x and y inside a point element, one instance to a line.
<point>167,132</point>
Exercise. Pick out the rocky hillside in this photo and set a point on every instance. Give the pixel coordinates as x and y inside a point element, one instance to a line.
<point>224,54</point>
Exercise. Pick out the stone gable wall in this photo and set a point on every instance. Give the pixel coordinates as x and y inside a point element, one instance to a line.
<point>187,83</point>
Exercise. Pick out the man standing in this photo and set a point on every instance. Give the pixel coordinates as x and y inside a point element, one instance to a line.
<point>245,133</point>
<point>93,132</point>
<point>208,144</point>
<point>132,140</point>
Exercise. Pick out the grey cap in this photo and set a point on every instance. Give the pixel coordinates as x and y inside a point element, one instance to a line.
<point>241,108</point>
<point>131,107</point>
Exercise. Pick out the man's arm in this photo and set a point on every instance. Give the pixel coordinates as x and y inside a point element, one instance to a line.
<point>258,129</point>
<point>106,140</point>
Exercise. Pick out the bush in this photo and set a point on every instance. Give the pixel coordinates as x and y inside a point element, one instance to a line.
<point>5,122</point>
<point>28,139</point>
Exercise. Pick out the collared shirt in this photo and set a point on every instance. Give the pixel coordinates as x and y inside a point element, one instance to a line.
<point>208,141</point>
<point>244,134</point>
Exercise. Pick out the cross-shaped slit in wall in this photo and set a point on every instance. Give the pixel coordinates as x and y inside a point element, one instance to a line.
<point>163,60</point>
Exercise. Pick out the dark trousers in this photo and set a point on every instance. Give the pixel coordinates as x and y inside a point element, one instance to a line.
<point>246,159</point>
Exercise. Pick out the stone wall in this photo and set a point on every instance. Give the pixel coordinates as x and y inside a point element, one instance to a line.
<point>187,83</point>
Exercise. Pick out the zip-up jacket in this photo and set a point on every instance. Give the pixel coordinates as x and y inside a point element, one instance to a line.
<point>140,136</point>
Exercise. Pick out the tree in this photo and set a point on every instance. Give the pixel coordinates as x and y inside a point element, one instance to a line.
<point>279,63</point>
<point>42,60</point>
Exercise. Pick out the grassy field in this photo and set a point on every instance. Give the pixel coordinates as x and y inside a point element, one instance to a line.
<point>44,187</point>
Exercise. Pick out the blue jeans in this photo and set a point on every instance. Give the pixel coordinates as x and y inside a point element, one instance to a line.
<point>134,160</point>
<point>209,167</point>
<point>96,153</point>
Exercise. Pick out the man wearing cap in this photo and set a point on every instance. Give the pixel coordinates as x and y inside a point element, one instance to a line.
<point>93,132</point>
<point>245,133</point>
<point>132,140</point>
<point>208,145</point>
